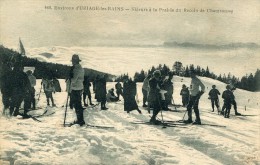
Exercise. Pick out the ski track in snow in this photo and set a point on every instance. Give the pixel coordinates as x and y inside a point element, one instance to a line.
<point>48,142</point>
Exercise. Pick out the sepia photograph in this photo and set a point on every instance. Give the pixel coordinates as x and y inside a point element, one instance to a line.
<point>130,82</point>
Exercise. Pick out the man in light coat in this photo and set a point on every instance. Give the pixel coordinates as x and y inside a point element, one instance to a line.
<point>197,88</point>
<point>76,88</point>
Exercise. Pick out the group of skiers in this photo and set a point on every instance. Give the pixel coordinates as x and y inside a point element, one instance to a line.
<point>229,99</point>
<point>17,86</point>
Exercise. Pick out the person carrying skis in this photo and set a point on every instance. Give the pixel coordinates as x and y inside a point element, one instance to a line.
<point>86,91</point>
<point>145,89</point>
<point>195,94</point>
<point>76,87</point>
<point>119,89</point>
<point>129,93</point>
<point>213,96</point>
<point>154,96</point>
<point>48,89</point>
<point>32,80</point>
<point>185,95</point>
<point>20,87</point>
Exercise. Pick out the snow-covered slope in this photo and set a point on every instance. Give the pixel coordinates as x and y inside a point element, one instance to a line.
<point>24,142</point>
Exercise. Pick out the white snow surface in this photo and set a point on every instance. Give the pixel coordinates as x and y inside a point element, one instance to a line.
<point>27,142</point>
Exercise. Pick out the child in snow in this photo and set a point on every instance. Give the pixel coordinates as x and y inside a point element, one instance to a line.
<point>111,96</point>
<point>185,95</point>
<point>213,96</point>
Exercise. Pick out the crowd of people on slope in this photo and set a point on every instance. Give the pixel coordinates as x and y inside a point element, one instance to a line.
<point>17,86</point>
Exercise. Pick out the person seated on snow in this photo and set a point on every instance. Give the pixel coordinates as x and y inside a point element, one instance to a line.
<point>185,94</point>
<point>111,96</point>
<point>213,96</point>
<point>48,89</point>
<point>129,93</point>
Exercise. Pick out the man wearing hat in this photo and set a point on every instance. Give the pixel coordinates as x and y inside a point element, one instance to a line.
<point>154,95</point>
<point>76,87</point>
<point>197,88</point>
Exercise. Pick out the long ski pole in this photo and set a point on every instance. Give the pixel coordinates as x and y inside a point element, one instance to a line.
<point>67,103</point>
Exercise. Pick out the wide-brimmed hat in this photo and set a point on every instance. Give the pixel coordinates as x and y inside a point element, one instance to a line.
<point>75,57</point>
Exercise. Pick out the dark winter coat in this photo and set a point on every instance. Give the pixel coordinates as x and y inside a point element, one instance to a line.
<point>168,86</point>
<point>154,91</point>
<point>100,89</point>
<point>228,96</point>
<point>86,85</point>
<point>213,94</point>
<point>118,87</point>
<point>129,92</point>
<point>185,93</point>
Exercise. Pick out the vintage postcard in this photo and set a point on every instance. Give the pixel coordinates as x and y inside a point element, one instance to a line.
<point>96,82</point>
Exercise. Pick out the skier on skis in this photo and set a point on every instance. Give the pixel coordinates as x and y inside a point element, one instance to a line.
<point>168,86</point>
<point>233,102</point>
<point>213,96</point>
<point>76,87</point>
<point>195,94</point>
<point>228,97</point>
<point>154,95</point>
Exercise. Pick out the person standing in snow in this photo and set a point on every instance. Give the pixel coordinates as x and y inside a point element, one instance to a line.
<point>5,81</point>
<point>101,90</point>
<point>32,79</point>
<point>76,88</point>
<point>145,89</point>
<point>195,94</point>
<point>228,97</point>
<point>154,95</point>
<point>86,91</point>
<point>119,89</point>
<point>185,94</point>
<point>168,86</point>
<point>20,87</point>
<point>129,93</point>
<point>213,95</point>
<point>48,89</point>
<point>233,102</point>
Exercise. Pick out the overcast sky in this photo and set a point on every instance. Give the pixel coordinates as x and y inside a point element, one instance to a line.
<point>39,27</point>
